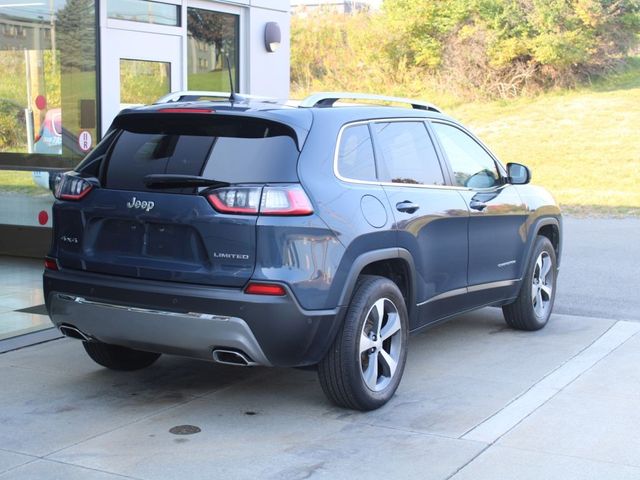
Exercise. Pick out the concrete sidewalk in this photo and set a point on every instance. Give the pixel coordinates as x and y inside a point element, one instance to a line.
<point>478,401</point>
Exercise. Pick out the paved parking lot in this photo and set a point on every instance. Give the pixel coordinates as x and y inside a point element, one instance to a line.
<point>600,273</point>
<point>478,400</point>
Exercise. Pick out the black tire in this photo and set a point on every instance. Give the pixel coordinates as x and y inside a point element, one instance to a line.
<point>119,358</point>
<point>525,313</point>
<point>341,371</point>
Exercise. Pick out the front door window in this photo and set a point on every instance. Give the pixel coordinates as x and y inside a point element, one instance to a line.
<point>472,166</point>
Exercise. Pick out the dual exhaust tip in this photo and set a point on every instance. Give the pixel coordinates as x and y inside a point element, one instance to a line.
<point>232,357</point>
<point>72,332</point>
<point>220,355</point>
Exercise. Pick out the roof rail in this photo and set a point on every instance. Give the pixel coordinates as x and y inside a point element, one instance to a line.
<point>327,99</point>
<point>195,95</point>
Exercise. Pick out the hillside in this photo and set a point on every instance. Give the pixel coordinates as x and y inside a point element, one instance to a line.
<point>583,145</point>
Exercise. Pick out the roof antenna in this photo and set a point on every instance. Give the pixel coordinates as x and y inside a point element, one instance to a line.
<point>232,95</point>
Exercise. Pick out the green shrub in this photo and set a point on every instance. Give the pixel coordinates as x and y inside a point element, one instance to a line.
<point>13,132</point>
<point>470,48</point>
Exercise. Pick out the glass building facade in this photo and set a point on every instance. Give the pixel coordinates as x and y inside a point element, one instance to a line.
<point>48,87</point>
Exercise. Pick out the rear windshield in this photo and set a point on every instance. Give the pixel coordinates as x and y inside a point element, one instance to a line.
<point>228,149</point>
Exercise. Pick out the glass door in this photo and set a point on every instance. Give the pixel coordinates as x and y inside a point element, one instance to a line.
<point>138,67</point>
<point>213,37</point>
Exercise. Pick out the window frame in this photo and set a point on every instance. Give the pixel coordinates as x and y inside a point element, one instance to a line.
<point>376,154</point>
<point>239,79</point>
<point>502,172</point>
<point>175,3</point>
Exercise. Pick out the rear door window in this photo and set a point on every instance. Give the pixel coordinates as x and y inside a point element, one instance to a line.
<point>229,149</point>
<point>407,154</point>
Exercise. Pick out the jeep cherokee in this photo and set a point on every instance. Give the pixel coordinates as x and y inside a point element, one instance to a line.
<point>249,232</point>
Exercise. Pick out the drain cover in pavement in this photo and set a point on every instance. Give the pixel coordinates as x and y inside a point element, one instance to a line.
<point>184,430</point>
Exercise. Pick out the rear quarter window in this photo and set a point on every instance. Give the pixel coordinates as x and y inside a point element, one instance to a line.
<point>355,154</point>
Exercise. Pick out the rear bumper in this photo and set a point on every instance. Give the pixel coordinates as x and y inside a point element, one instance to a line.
<point>189,320</point>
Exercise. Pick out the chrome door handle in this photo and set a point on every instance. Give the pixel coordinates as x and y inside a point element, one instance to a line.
<point>407,206</point>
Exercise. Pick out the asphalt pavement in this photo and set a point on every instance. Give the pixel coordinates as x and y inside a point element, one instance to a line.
<point>600,271</point>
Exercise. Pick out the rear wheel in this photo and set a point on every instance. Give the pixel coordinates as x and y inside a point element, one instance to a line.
<point>119,358</point>
<point>532,308</point>
<point>363,368</point>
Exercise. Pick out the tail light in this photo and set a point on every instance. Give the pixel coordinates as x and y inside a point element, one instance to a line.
<point>50,263</point>
<point>285,200</point>
<point>240,200</point>
<point>72,187</point>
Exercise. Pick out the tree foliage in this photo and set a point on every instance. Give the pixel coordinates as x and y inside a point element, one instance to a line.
<point>76,35</point>
<point>210,27</point>
<point>473,47</point>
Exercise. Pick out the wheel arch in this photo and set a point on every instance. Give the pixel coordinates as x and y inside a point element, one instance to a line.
<point>550,227</point>
<point>395,264</point>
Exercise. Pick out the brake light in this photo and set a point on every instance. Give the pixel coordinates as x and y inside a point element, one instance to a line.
<point>272,289</point>
<point>51,264</point>
<point>285,200</point>
<point>72,187</point>
<point>186,110</point>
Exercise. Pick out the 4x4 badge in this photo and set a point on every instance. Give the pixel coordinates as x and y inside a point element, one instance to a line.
<point>142,204</point>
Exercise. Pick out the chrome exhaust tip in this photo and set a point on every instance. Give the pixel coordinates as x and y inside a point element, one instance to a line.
<point>72,332</point>
<point>232,357</point>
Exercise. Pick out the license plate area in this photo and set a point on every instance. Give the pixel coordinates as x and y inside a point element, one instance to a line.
<point>134,238</point>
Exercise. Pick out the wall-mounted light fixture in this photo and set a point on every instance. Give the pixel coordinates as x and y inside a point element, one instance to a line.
<point>272,36</point>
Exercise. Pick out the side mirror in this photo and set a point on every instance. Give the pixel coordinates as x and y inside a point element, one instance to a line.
<point>518,174</point>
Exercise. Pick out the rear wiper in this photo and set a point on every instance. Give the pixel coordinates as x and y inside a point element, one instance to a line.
<point>162,180</point>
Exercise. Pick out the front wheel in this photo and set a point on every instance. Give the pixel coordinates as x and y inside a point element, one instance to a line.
<point>532,308</point>
<point>363,368</point>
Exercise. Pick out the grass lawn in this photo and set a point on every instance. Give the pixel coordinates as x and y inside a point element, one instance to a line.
<point>217,81</point>
<point>583,145</point>
<point>18,182</point>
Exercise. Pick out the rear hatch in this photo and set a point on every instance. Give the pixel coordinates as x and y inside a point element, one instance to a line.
<point>128,226</point>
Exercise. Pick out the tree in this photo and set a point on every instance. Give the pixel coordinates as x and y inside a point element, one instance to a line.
<point>76,35</point>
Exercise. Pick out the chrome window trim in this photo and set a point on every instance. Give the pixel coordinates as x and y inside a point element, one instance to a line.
<point>336,155</point>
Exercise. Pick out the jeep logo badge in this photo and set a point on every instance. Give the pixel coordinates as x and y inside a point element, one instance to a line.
<point>141,204</point>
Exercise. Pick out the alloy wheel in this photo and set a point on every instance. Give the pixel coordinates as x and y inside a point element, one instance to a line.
<point>542,285</point>
<point>380,344</point>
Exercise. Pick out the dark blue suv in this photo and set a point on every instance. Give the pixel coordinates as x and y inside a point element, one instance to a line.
<point>254,233</point>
